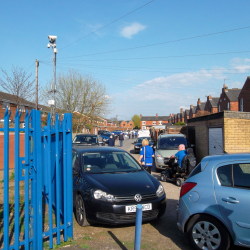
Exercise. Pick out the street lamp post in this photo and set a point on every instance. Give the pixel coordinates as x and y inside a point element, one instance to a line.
<point>52,44</point>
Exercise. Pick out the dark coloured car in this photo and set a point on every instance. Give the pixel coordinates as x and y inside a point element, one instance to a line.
<point>87,140</point>
<point>105,136</point>
<point>108,183</point>
<point>102,131</point>
<point>138,144</point>
<point>117,132</point>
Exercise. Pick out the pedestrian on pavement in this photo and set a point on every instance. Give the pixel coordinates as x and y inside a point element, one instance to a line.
<point>129,134</point>
<point>133,134</point>
<point>111,142</point>
<point>121,139</point>
<point>146,156</point>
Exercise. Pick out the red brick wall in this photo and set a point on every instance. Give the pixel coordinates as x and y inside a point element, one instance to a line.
<point>11,149</point>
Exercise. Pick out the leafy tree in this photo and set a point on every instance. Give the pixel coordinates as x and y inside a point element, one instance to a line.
<point>19,84</point>
<point>137,121</point>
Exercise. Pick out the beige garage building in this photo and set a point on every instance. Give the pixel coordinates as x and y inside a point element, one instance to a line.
<point>227,131</point>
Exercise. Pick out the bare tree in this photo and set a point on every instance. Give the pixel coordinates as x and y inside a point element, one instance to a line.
<point>19,84</point>
<point>81,95</point>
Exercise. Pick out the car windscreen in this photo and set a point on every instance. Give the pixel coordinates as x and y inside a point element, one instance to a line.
<point>108,162</point>
<point>140,139</point>
<point>86,139</point>
<point>171,142</point>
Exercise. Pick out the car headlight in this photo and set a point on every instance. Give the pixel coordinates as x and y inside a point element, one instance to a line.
<point>160,191</point>
<point>159,157</point>
<point>136,146</point>
<point>100,195</point>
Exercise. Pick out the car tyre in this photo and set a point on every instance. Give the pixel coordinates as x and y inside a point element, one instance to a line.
<point>163,177</point>
<point>179,182</point>
<point>206,232</point>
<point>80,212</point>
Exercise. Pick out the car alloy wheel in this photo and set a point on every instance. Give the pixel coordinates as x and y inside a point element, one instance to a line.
<point>179,182</point>
<point>163,177</point>
<point>206,232</point>
<point>80,212</point>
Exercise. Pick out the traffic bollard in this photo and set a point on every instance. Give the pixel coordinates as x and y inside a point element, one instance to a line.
<point>138,224</point>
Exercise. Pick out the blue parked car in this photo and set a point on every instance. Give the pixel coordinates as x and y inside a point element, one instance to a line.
<point>117,132</point>
<point>214,204</point>
<point>105,136</point>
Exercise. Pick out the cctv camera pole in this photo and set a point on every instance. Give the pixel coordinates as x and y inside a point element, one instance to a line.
<point>37,65</point>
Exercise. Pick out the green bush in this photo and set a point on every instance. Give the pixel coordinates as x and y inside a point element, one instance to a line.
<point>180,123</point>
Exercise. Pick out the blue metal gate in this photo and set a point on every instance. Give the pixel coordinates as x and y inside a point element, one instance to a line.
<point>42,184</point>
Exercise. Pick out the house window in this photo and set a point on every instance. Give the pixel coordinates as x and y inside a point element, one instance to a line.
<point>6,105</point>
<point>241,104</point>
<point>160,122</point>
<point>143,123</point>
<point>21,108</point>
<point>154,122</point>
<point>228,106</point>
<point>219,108</point>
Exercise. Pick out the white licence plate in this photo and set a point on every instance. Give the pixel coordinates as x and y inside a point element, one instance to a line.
<point>132,209</point>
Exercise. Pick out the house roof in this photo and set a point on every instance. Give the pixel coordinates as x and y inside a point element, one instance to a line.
<point>154,118</point>
<point>187,111</point>
<point>202,106</point>
<point>193,109</point>
<point>214,101</point>
<point>233,94</point>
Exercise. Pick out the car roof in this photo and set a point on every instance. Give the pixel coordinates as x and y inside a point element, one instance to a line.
<point>84,149</point>
<point>224,158</point>
<point>171,135</point>
<point>85,134</point>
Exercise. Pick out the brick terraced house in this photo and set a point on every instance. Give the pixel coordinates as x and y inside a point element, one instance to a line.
<point>229,99</point>
<point>150,121</point>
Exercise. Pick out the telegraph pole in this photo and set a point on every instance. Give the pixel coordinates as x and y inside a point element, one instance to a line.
<point>37,65</point>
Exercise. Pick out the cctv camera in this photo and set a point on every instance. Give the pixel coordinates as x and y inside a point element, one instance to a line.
<point>52,39</point>
<point>48,46</point>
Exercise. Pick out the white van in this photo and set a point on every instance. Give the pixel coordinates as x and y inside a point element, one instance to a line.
<point>143,133</point>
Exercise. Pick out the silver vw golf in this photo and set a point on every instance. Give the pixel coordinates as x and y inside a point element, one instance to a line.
<point>214,204</point>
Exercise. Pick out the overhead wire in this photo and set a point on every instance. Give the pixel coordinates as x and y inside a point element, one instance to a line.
<point>156,44</point>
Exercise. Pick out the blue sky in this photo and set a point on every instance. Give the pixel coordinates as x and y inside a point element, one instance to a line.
<point>184,61</point>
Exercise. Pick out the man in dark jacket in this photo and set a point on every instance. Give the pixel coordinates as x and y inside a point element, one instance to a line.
<point>111,142</point>
<point>121,138</point>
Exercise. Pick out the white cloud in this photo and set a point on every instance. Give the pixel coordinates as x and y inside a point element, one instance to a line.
<point>240,65</point>
<point>131,30</point>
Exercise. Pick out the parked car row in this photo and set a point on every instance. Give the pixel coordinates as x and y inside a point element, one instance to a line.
<point>108,183</point>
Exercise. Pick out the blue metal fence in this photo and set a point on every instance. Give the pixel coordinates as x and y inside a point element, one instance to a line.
<point>46,171</point>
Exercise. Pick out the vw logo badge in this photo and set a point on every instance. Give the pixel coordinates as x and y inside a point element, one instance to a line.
<point>138,197</point>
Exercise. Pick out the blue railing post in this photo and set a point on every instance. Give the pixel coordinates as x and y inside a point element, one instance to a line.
<point>138,224</point>
<point>6,180</point>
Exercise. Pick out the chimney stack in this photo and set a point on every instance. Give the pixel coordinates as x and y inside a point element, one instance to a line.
<point>170,115</point>
<point>199,102</point>
<point>181,110</point>
<point>191,106</point>
<point>156,115</point>
<point>140,115</point>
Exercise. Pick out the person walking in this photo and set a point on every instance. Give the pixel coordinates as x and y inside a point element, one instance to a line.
<point>146,156</point>
<point>121,139</point>
<point>111,142</point>
<point>129,134</point>
<point>133,134</point>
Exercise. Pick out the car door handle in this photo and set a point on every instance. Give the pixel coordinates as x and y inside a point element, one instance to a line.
<point>230,200</point>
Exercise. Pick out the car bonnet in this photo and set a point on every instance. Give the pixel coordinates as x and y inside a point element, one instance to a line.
<point>129,183</point>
